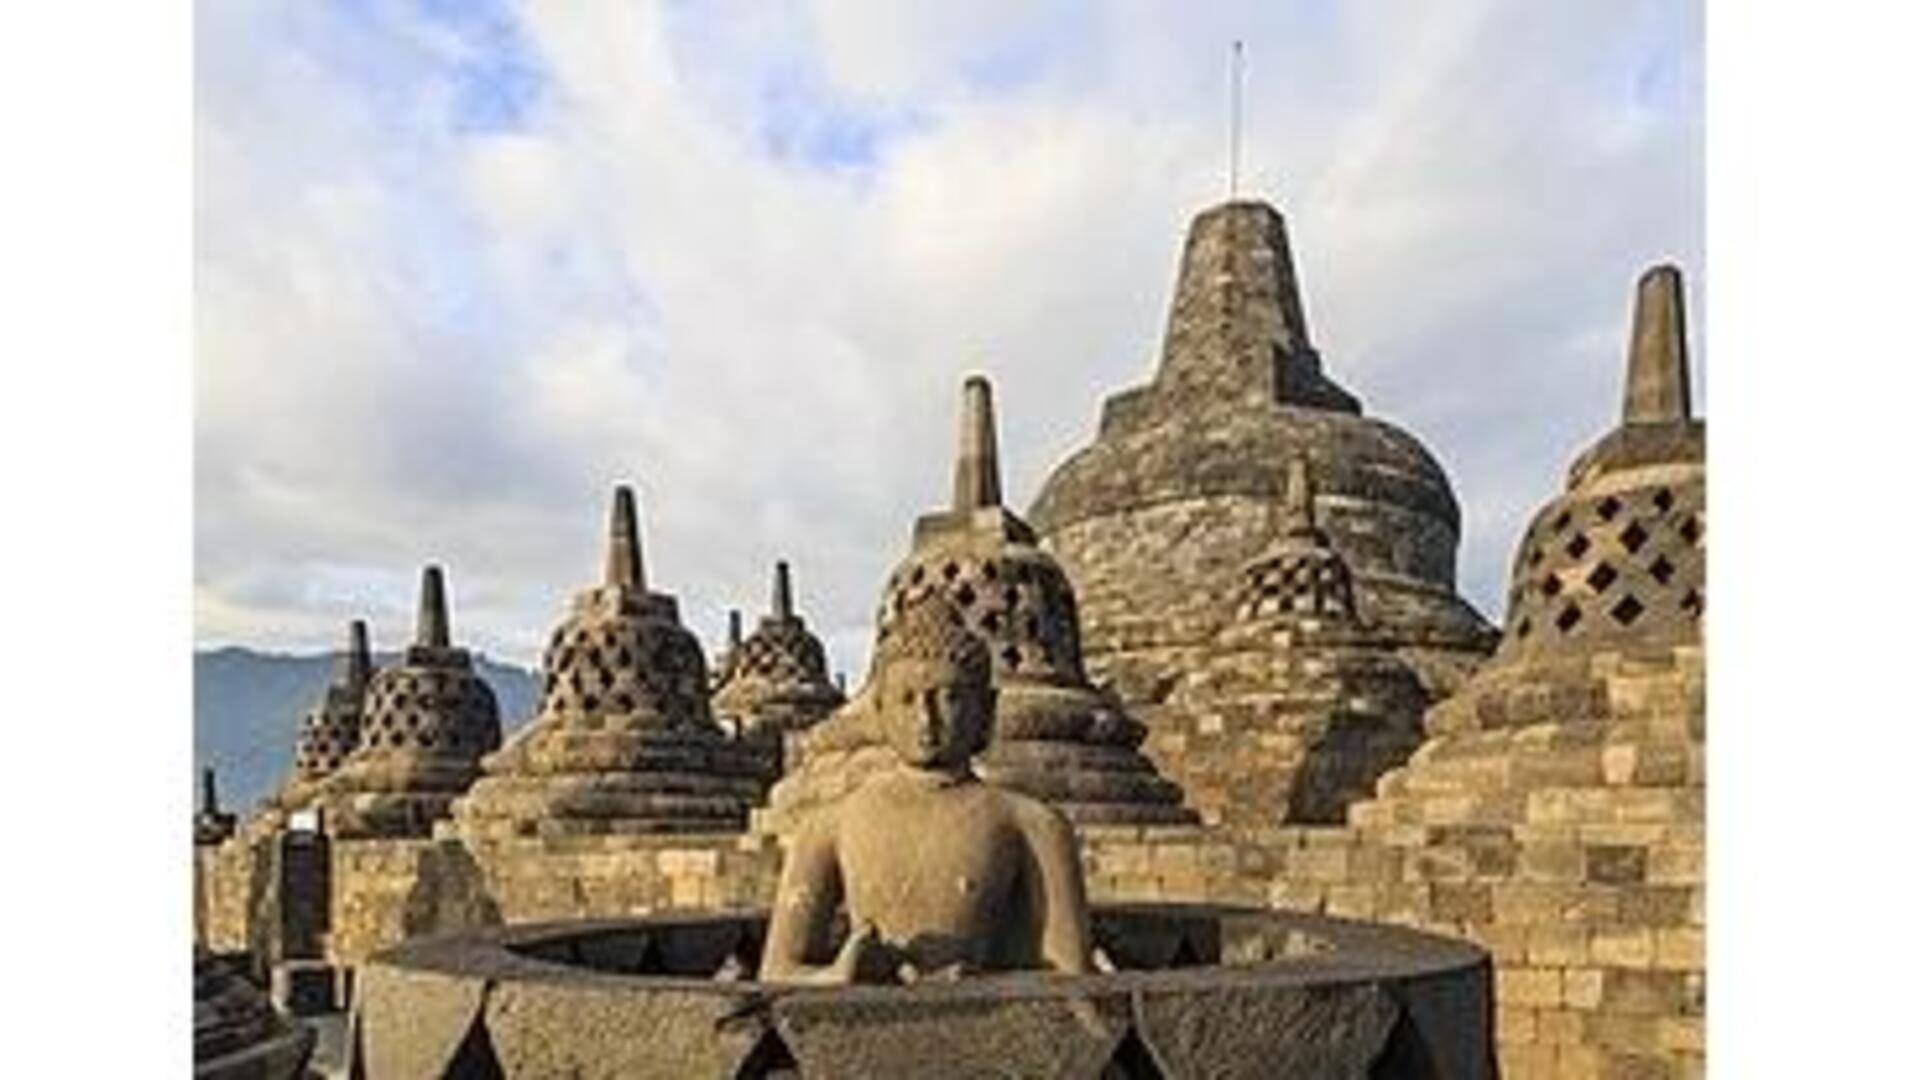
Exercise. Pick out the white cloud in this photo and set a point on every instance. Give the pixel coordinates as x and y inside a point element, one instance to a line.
<point>744,263</point>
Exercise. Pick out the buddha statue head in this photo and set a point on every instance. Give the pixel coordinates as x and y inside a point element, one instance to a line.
<point>934,683</point>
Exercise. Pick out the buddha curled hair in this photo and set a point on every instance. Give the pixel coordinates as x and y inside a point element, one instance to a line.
<point>930,630</point>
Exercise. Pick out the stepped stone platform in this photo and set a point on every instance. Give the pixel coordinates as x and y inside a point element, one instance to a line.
<point>1199,991</point>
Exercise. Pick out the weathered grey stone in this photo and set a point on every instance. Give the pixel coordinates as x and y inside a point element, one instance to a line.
<point>572,1026</point>
<point>1218,1026</point>
<point>951,1033</point>
<point>412,1021</point>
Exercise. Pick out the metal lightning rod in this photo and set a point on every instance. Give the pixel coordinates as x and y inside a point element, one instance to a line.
<point>1233,138</point>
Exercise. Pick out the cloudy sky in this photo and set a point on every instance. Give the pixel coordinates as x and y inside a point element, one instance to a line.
<point>462,266</point>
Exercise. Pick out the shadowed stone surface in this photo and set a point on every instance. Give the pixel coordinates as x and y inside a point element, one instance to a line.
<point>1156,517</point>
<point>237,1035</point>
<point>625,740</point>
<point>615,998</point>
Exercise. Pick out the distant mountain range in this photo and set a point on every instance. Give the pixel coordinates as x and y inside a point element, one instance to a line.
<point>247,707</point>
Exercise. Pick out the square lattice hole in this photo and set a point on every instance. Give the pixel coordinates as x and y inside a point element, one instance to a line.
<point>1633,538</point>
<point>1550,585</point>
<point>1608,507</point>
<point>1534,557</point>
<point>1662,570</point>
<point>1663,500</point>
<point>1627,610</point>
<point>1578,546</point>
<point>1560,523</point>
<point>1568,618</point>
<point>1690,530</point>
<point>1525,628</point>
<point>1692,602</point>
<point>1602,576</point>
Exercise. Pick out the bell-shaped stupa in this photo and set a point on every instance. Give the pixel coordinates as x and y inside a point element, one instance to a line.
<point>1560,799</point>
<point>777,682</point>
<point>1300,705</point>
<point>331,730</point>
<point>1155,519</point>
<point>625,740</point>
<point>1055,735</point>
<point>427,721</point>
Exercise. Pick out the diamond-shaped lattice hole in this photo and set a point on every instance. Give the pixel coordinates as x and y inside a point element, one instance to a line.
<point>1534,557</point>
<point>1550,585</point>
<point>1662,570</point>
<point>1568,618</point>
<point>1627,610</point>
<point>1560,523</point>
<point>1690,529</point>
<point>1663,500</point>
<point>1602,576</point>
<point>1525,628</point>
<point>989,571</point>
<point>964,596</point>
<point>1010,656</point>
<point>1608,507</point>
<point>1578,546</point>
<point>1692,603</point>
<point>991,622</point>
<point>950,571</point>
<point>1633,537</point>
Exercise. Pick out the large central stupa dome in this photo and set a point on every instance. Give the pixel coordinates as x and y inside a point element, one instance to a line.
<point>1155,519</point>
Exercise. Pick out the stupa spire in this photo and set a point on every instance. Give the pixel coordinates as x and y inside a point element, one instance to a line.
<point>1298,507</point>
<point>1657,388</point>
<point>624,564</point>
<point>1237,329</point>
<point>209,796</point>
<point>432,629</point>
<point>734,635</point>
<point>976,473</point>
<point>782,591</point>
<point>356,664</point>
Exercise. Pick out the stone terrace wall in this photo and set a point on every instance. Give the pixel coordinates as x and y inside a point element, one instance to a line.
<point>388,891</point>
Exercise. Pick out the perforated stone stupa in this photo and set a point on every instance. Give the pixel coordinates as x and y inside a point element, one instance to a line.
<point>777,682</point>
<point>332,729</point>
<point>625,741</point>
<point>1055,737</point>
<point>1156,518</point>
<point>427,721</point>
<point>1557,813</point>
<point>1300,706</point>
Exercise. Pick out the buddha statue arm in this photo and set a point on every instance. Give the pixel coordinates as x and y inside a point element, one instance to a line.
<point>808,896</point>
<point>1056,891</point>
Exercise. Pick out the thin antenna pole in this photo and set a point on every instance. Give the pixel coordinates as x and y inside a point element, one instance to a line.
<point>1233,151</point>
